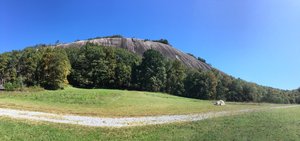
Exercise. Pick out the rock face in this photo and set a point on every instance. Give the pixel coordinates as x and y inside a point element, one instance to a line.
<point>220,103</point>
<point>1,87</point>
<point>140,46</point>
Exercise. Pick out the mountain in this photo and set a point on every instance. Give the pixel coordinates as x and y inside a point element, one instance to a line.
<point>139,46</point>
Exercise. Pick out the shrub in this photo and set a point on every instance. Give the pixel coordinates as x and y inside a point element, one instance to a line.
<point>201,59</point>
<point>112,36</point>
<point>164,41</point>
<point>9,86</point>
<point>192,55</point>
<point>12,86</point>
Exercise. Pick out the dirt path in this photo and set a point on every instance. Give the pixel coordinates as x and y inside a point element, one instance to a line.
<point>120,122</point>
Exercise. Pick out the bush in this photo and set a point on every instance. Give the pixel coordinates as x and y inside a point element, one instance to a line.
<point>191,55</point>
<point>164,41</point>
<point>201,59</point>
<point>11,86</point>
<point>112,36</point>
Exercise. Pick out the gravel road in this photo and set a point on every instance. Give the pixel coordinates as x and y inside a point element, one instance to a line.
<point>120,122</point>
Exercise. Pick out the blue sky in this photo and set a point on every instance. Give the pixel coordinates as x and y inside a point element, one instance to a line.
<point>256,40</point>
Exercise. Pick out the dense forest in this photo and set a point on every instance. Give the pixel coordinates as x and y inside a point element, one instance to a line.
<point>95,66</point>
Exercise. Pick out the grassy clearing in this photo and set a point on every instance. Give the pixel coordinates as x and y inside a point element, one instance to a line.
<point>110,103</point>
<point>276,124</point>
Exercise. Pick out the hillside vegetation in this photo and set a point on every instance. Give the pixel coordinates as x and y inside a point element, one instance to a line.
<point>93,66</point>
<point>277,124</point>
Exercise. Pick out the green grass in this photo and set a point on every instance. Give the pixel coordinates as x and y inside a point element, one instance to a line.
<point>276,124</point>
<point>272,125</point>
<point>111,103</point>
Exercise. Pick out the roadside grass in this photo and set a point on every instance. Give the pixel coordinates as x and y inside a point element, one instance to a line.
<point>269,125</point>
<point>111,103</point>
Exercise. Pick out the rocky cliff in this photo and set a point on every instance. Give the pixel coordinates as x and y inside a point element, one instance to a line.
<point>140,46</point>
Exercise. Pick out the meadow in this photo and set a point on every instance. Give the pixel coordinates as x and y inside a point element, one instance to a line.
<point>276,124</point>
<point>112,103</point>
<point>264,124</point>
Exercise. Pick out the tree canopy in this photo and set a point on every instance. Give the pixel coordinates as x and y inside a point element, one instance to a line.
<point>93,66</point>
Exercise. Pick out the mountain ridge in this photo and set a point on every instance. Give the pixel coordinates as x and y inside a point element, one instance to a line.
<point>139,46</point>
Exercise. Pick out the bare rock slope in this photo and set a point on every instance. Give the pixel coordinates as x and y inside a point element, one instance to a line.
<point>140,46</point>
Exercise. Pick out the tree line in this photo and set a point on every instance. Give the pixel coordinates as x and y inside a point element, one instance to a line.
<point>93,66</point>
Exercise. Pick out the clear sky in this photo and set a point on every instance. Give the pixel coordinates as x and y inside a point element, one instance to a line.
<point>256,40</point>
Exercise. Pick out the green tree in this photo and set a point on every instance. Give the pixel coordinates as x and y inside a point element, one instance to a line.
<point>223,83</point>
<point>249,92</point>
<point>3,67</point>
<point>164,41</point>
<point>175,78</point>
<point>201,59</point>
<point>153,72</point>
<point>236,89</point>
<point>123,75</point>
<point>201,85</point>
<point>54,67</point>
<point>125,70</point>
<point>94,66</point>
<point>12,67</point>
<point>28,65</point>
<point>89,69</point>
<point>136,77</point>
<point>193,84</point>
<point>211,84</point>
<point>111,64</point>
<point>72,52</point>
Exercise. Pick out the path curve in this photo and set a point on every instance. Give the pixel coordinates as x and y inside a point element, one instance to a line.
<point>120,122</point>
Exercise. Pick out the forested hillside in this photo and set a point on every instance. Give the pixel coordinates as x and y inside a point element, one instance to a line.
<point>95,66</point>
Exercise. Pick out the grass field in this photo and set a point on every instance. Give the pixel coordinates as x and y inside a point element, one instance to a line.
<point>111,103</point>
<point>272,125</point>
